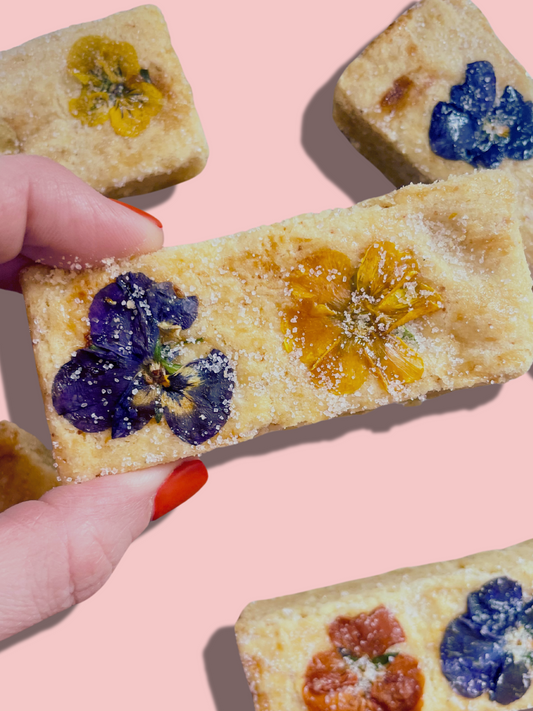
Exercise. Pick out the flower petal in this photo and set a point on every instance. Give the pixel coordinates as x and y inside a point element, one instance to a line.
<point>495,607</point>
<point>393,361</point>
<point>452,133</point>
<point>371,634</point>
<point>121,318</point>
<point>135,408</point>
<point>401,687</point>
<point>87,388</point>
<point>410,301</point>
<point>197,404</point>
<point>81,58</point>
<point>324,277</point>
<point>313,328</point>
<point>512,683</point>
<point>518,114</point>
<point>469,662</point>
<point>326,672</point>
<point>478,94</point>
<point>525,617</point>
<point>489,158</point>
<point>91,107</point>
<point>167,307</point>
<point>343,369</point>
<point>384,268</point>
<point>95,55</point>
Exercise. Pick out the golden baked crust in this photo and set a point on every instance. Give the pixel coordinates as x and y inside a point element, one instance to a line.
<point>278,638</point>
<point>39,82</point>
<point>26,466</point>
<point>464,235</point>
<point>385,98</point>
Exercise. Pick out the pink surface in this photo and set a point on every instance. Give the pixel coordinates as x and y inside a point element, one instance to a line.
<point>293,510</point>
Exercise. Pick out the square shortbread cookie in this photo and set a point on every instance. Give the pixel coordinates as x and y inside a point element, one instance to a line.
<point>437,94</point>
<point>108,100</point>
<point>455,635</point>
<point>172,354</point>
<point>26,466</point>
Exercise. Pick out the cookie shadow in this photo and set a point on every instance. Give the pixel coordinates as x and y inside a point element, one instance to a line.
<point>331,152</point>
<point>225,674</point>
<point>36,629</point>
<point>150,200</point>
<point>381,420</point>
<point>17,365</point>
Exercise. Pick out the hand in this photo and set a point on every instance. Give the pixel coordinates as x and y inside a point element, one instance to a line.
<point>60,550</point>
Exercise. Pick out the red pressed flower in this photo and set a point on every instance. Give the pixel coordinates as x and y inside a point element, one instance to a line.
<point>360,674</point>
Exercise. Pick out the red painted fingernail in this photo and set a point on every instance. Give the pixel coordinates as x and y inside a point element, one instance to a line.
<point>139,212</point>
<point>184,482</point>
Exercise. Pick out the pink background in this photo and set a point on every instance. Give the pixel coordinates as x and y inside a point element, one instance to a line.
<point>293,510</point>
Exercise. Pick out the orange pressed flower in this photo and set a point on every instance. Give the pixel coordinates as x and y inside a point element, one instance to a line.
<point>114,87</point>
<point>343,321</point>
<point>359,673</point>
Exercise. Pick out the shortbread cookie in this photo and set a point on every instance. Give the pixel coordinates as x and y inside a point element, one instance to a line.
<point>437,94</point>
<point>175,353</point>
<point>108,100</point>
<point>26,466</point>
<point>455,635</point>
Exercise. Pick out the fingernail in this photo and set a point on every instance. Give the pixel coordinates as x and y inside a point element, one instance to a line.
<point>139,212</point>
<point>184,482</point>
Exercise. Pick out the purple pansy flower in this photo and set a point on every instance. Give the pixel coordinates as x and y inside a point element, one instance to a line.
<point>132,373</point>
<point>490,647</point>
<point>474,128</point>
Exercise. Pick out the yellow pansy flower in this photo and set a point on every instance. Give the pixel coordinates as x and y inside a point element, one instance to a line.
<point>114,87</point>
<point>341,319</point>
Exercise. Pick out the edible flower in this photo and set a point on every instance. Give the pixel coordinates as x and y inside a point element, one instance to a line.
<point>345,322</point>
<point>132,371</point>
<point>472,127</point>
<point>114,87</point>
<point>490,647</point>
<point>361,671</point>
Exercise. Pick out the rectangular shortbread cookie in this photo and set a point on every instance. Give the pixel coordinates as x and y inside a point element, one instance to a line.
<point>108,100</point>
<point>26,466</point>
<point>401,87</point>
<point>454,635</point>
<point>175,353</point>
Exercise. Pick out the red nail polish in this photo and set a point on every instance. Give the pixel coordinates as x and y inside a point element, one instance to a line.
<point>184,482</point>
<point>139,212</point>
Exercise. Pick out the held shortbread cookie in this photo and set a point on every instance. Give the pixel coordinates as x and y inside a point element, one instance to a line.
<point>437,94</point>
<point>26,466</point>
<point>455,635</point>
<point>175,353</point>
<point>108,100</point>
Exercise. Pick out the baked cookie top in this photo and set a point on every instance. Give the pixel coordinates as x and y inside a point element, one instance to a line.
<point>447,635</point>
<point>438,94</point>
<point>108,100</point>
<point>172,354</point>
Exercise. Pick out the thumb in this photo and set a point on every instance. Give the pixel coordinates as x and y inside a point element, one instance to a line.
<point>47,214</point>
<point>60,550</point>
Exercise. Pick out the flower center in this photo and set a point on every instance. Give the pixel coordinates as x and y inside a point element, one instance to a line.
<point>361,321</point>
<point>367,672</point>
<point>495,131</point>
<point>155,374</point>
<point>519,642</point>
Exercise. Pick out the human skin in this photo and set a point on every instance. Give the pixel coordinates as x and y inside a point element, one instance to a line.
<point>60,550</point>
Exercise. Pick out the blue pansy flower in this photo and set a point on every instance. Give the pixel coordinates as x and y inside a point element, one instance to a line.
<point>473,128</point>
<point>490,647</point>
<point>132,371</point>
